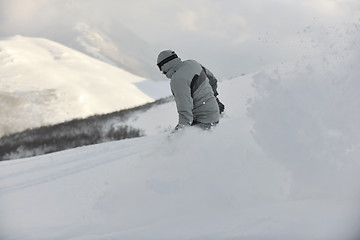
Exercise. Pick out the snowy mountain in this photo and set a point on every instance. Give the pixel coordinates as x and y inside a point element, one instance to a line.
<point>112,43</point>
<point>43,82</point>
<point>87,29</point>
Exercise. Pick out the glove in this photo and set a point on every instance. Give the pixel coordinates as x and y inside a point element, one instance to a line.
<point>221,106</point>
<point>179,127</point>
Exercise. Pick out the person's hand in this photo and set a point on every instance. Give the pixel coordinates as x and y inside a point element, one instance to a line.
<point>179,127</point>
<point>221,106</point>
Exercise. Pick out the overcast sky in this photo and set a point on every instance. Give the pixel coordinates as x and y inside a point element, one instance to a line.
<point>228,36</point>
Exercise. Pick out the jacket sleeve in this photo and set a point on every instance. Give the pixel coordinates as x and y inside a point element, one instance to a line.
<point>212,80</point>
<point>184,102</point>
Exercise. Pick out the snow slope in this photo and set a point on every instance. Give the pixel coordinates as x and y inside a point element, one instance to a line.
<point>188,185</point>
<point>43,82</point>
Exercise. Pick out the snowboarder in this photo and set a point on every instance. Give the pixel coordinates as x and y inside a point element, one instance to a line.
<point>195,91</point>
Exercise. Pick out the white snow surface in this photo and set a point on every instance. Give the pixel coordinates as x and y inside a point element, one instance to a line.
<point>282,164</point>
<point>188,185</point>
<point>43,82</point>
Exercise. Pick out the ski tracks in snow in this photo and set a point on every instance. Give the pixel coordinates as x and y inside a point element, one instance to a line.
<point>18,174</point>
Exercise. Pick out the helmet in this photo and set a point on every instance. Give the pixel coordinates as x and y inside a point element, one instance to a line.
<point>165,57</point>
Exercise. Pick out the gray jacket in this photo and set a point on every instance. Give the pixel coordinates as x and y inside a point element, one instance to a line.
<point>202,105</point>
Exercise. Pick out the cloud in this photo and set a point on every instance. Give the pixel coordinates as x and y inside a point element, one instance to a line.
<point>231,36</point>
<point>29,17</point>
<point>188,21</point>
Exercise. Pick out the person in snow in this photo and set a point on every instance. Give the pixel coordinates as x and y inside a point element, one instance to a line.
<point>195,91</point>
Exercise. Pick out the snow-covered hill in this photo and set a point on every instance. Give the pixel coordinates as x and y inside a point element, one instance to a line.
<point>111,42</point>
<point>43,82</point>
<point>188,185</point>
<point>83,27</point>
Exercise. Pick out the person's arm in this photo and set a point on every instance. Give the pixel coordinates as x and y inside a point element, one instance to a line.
<point>212,80</point>
<point>184,101</point>
<point>213,83</point>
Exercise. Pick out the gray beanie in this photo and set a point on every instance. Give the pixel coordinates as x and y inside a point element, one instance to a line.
<point>165,57</point>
